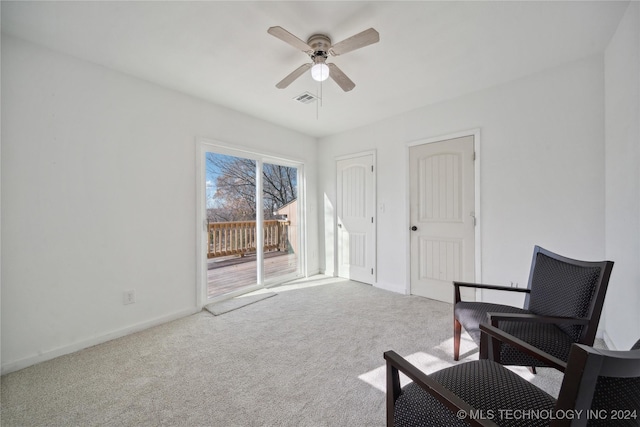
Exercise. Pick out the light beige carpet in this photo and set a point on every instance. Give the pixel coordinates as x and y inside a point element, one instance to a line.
<point>312,356</point>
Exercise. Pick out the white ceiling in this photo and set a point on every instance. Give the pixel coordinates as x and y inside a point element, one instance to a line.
<point>221,52</point>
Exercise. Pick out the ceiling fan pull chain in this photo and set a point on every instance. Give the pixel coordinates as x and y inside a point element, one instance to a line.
<point>318,104</point>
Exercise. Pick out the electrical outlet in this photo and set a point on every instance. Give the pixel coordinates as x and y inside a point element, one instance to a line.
<point>129,297</point>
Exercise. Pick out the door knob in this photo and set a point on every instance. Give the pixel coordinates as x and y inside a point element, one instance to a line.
<point>414,228</point>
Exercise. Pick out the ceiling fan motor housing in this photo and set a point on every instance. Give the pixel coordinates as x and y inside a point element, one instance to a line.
<point>320,45</point>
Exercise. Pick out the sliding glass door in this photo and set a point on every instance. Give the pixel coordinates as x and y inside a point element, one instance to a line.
<point>252,221</point>
<point>280,202</point>
<point>231,223</point>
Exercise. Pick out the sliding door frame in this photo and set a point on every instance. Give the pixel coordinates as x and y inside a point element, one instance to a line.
<point>203,146</point>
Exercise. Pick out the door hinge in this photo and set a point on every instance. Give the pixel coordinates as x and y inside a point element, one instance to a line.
<point>473,218</point>
<point>371,168</point>
<point>474,156</point>
<point>372,271</point>
<point>371,220</point>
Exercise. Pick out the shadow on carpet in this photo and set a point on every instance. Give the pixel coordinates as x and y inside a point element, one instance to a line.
<point>226,306</point>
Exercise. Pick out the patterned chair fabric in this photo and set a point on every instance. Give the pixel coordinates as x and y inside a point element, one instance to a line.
<point>545,336</point>
<point>562,289</point>
<point>617,395</point>
<point>558,286</point>
<point>470,314</point>
<point>484,384</point>
<point>496,393</point>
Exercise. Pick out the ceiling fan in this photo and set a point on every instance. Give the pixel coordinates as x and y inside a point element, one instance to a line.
<point>319,47</point>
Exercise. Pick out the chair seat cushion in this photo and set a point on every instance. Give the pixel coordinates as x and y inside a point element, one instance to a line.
<point>547,337</point>
<point>483,384</point>
<point>620,396</point>
<point>471,314</point>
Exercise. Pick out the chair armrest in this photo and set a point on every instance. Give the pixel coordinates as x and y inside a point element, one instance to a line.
<point>458,285</point>
<point>396,363</point>
<point>494,318</point>
<point>488,351</point>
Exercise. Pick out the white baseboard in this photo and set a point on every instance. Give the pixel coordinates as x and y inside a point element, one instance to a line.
<point>392,287</point>
<point>72,348</point>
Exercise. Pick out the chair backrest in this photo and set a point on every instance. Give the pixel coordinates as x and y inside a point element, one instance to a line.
<point>603,384</point>
<point>567,287</point>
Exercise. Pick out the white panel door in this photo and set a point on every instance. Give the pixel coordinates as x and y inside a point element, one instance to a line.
<point>442,217</point>
<point>355,206</point>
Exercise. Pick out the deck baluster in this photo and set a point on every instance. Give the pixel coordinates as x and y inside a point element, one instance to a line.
<point>239,237</point>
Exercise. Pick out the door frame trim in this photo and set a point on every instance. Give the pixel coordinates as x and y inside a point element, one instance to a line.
<point>375,211</point>
<point>477,229</point>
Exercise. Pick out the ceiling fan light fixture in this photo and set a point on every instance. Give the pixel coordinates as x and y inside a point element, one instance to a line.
<point>319,47</point>
<point>320,72</point>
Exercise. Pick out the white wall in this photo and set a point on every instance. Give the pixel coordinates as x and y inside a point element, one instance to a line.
<point>98,196</point>
<point>542,171</point>
<point>90,157</point>
<point>622,124</point>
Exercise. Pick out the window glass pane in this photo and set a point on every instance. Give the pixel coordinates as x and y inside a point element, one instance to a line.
<point>231,218</point>
<point>281,224</point>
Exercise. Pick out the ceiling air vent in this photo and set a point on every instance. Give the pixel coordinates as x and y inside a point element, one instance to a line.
<point>306,98</point>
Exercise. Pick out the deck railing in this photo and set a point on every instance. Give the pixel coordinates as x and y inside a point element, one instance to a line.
<point>239,237</point>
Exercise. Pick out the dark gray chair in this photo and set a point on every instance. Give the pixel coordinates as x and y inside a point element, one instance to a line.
<point>599,388</point>
<point>563,303</point>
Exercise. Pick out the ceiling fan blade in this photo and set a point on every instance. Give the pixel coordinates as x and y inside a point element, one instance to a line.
<point>341,78</point>
<point>287,37</point>
<point>294,75</point>
<point>362,39</point>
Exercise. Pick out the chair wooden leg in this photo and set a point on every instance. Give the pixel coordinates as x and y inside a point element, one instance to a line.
<point>457,331</point>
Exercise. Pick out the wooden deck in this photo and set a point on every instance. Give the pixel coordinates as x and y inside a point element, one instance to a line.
<point>228,274</point>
